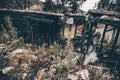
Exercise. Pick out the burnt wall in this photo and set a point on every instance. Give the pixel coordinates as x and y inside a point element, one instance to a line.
<point>34,27</point>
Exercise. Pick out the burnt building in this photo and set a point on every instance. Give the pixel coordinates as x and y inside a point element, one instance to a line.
<point>43,27</point>
<point>34,26</point>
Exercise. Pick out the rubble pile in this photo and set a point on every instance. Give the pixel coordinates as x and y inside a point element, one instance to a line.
<point>53,63</point>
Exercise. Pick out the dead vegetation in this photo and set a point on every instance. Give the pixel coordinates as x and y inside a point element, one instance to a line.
<point>22,61</point>
<point>53,63</point>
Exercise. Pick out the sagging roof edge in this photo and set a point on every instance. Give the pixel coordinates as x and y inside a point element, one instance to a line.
<point>41,12</point>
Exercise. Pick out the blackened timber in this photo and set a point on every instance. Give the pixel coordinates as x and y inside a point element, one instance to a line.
<point>101,46</point>
<point>14,11</point>
<point>110,29</point>
<point>29,12</point>
<point>116,39</point>
<point>32,35</point>
<point>40,19</point>
<point>75,15</point>
<point>114,23</point>
<point>106,17</point>
<point>103,12</point>
<point>75,30</point>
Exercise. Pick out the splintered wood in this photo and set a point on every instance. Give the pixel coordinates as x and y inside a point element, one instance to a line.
<point>41,73</point>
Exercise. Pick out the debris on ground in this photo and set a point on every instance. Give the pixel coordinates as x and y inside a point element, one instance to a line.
<point>50,64</point>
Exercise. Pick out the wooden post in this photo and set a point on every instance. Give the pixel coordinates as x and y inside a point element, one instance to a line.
<point>75,30</point>
<point>90,25</point>
<point>101,46</point>
<point>90,30</point>
<point>63,30</point>
<point>69,35</point>
<point>113,35</point>
<point>70,22</point>
<point>115,41</point>
<point>32,35</point>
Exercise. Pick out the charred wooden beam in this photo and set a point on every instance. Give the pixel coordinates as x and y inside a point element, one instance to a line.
<point>106,17</point>
<point>32,35</point>
<point>110,29</point>
<point>75,30</point>
<point>29,12</point>
<point>116,39</point>
<point>113,21</point>
<point>103,12</point>
<point>101,46</point>
<point>39,12</point>
<point>75,15</point>
<point>39,19</point>
<point>90,33</point>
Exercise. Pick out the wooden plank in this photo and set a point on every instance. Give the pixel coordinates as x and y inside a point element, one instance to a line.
<point>101,45</point>
<point>103,12</point>
<point>30,12</point>
<point>75,15</point>
<point>115,41</point>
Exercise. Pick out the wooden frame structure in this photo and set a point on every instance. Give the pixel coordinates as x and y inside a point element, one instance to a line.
<point>112,19</point>
<point>77,20</point>
<point>31,25</point>
<point>38,17</point>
